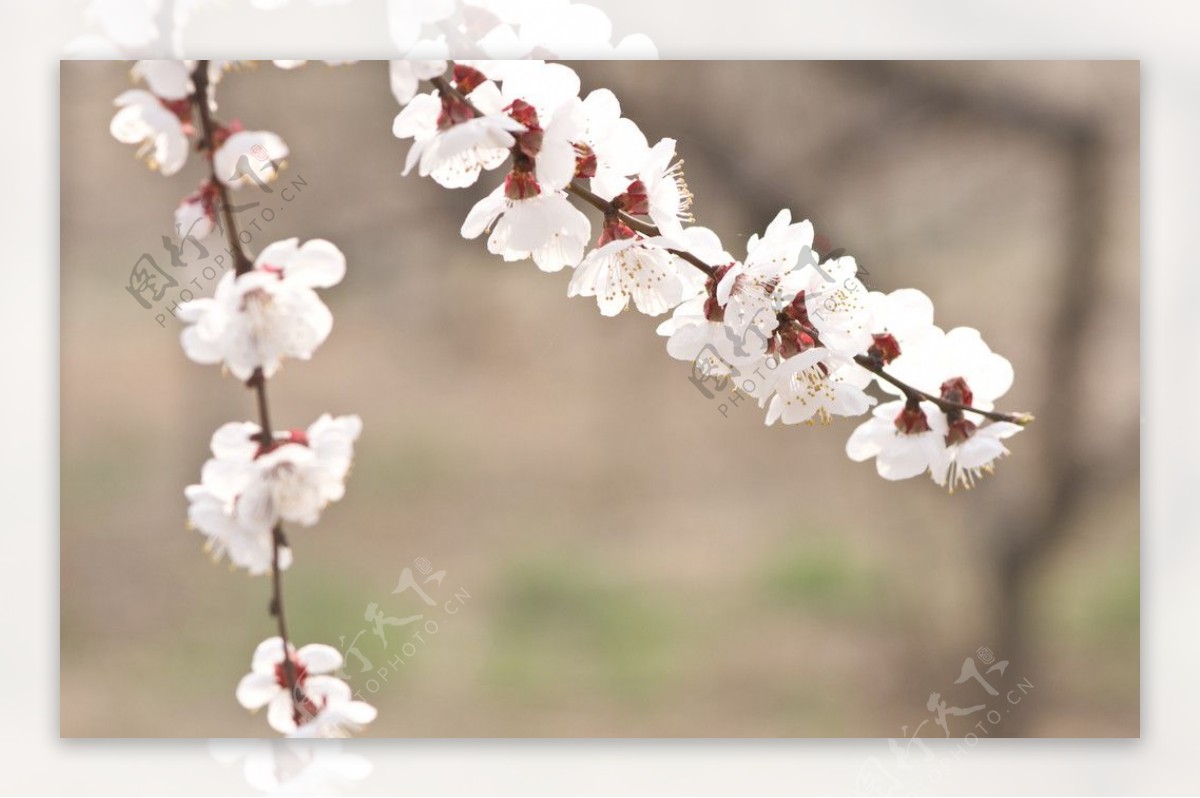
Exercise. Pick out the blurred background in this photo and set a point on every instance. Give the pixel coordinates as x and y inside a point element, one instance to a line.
<point>600,549</point>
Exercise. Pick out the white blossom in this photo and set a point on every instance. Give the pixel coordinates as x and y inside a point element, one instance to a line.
<point>196,214</point>
<point>546,226</point>
<point>748,290</point>
<point>255,320</point>
<point>626,269</point>
<point>453,151</point>
<point>248,546</point>
<point>249,157</point>
<point>837,302</point>
<point>406,75</point>
<point>267,685</point>
<point>814,385</point>
<point>338,715</point>
<point>904,441</point>
<point>959,368</point>
<point>938,356</point>
<point>292,478</point>
<point>406,18</point>
<point>971,457</point>
<point>170,80</point>
<point>296,479</point>
<point>619,146</point>
<point>161,136</point>
<point>556,26</point>
<point>667,197</point>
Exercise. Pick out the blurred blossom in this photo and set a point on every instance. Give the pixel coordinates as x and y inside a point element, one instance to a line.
<point>415,28</point>
<point>293,766</point>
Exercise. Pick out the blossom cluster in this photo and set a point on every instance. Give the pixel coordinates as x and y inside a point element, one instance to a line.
<point>261,313</point>
<point>256,480</point>
<point>801,334</point>
<point>121,29</point>
<point>161,121</point>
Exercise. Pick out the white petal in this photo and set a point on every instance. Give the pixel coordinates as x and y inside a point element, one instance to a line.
<point>256,690</point>
<point>267,655</point>
<point>319,658</point>
<point>281,713</point>
<point>318,264</point>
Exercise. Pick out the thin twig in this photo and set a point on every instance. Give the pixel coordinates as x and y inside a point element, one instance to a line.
<point>257,380</point>
<point>945,405</point>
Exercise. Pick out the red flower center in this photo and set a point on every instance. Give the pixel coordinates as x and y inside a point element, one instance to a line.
<point>885,348</point>
<point>467,79</point>
<point>956,390</point>
<point>585,161</point>
<point>281,678</point>
<point>912,420</point>
<point>634,199</point>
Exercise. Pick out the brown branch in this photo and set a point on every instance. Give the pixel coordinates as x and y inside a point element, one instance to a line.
<point>208,126</point>
<point>945,405</point>
<point>257,381</point>
<point>609,209</point>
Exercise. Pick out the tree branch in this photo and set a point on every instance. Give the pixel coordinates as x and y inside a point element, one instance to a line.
<point>609,209</point>
<point>257,381</point>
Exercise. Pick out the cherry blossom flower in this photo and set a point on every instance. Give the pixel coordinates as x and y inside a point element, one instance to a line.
<point>659,191</point>
<point>544,98</point>
<point>124,24</point>
<point>299,476</point>
<point>249,157</point>
<point>405,76</point>
<point>974,451</point>
<point>545,226</point>
<point>813,385</point>
<point>837,303</point>
<point>213,504</point>
<point>292,479</point>
<point>299,63</point>
<point>705,245</point>
<point>905,440</point>
<point>615,144</point>
<point>159,130</point>
<point>961,369</point>
<point>267,685</point>
<point>939,356</point>
<point>556,26</point>
<point>291,767</point>
<point>451,143</point>
<point>169,80</point>
<point>729,327</point>
<point>338,714</point>
<point>406,18</point>
<point>256,319</point>
<point>747,291</point>
<point>196,215</point>
<point>248,546</point>
<point>906,314</point>
<point>544,85</point>
<point>628,267</point>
